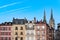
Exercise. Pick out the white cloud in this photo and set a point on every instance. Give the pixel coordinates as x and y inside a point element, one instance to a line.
<point>10,4</point>
<point>25,7</point>
<point>21,9</point>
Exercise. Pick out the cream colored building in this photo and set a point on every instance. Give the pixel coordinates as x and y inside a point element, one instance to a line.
<point>18,29</point>
<point>18,32</point>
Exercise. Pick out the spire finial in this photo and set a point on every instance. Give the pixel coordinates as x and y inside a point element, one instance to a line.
<point>44,19</point>
<point>34,19</point>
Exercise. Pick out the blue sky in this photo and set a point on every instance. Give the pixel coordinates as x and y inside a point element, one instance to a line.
<point>29,9</point>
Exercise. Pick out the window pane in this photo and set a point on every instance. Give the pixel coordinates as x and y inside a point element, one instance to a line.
<point>38,27</point>
<point>21,28</point>
<point>21,33</point>
<point>16,33</point>
<point>16,38</point>
<point>21,38</point>
<point>16,28</point>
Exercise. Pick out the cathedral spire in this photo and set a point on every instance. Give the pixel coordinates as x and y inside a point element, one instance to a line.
<point>51,21</point>
<point>44,19</point>
<point>51,14</point>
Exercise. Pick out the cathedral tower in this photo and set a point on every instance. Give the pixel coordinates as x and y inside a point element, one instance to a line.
<point>44,18</point>
<point>51,21</point>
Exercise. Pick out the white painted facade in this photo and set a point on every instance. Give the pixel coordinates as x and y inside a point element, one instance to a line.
<point>30,32</point>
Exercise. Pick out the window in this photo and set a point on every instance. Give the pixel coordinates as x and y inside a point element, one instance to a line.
<point>21,28</point>
<point>9,28</point>
<point>9,38</point>
<point>38,33</point>
<point>38,38</point>
<point>21,33</point>
<point>16,28</point>
<point>32,38</point>
<point>16,33</point>
<point>38,27</point>
<point>9,33</point>
<point>43,27</point>
<point>16,38</point>
<point>26,26</point>
<point>3,28</point>
<point>43,33</point>
<point>6,33</point>
<point>5,38</point>
<point>21,38</point>
<point>32,33</point>
<point>43,38</point>
<point>27,38</point>
<point>2,38</point>
<point>27,32</point>
<point>30,26</point>
<point>33,26</point>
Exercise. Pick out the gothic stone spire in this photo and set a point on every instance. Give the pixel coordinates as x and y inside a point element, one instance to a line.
<point>44,19</point>
<point>51,14</point>
<point>51,21</point>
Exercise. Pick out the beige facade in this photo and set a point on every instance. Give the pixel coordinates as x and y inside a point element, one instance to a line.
<point>18,32</point>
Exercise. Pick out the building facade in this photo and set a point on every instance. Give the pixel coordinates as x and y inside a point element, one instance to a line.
<point>18,29</point>
<point>22,29</point>
<point>57,32</point>
<point>18,32</point>
<point>43,30</point>
<point>5,31</point>
<point>30,30</point>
